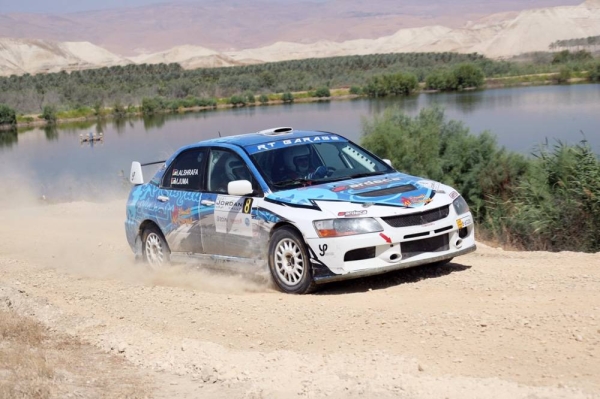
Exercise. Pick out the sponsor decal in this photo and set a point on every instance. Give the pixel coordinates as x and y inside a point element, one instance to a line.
<point>433,185</point>
<point>364,184</point>
<point>415,200</point>
<point>352,213</point>
<point>185,172</point>
<point>464,221</point>
<point>386,238</point>
<point>301,140</point>
<point>323,249</point>
<point>454,195</point>
<point>181,216</point>
<point>232,215</point>
<point>175,181</point>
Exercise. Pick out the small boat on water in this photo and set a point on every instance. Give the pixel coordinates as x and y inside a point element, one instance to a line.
<point>91,137</point>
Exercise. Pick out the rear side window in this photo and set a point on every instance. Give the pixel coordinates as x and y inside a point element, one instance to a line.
<point>186,171</point>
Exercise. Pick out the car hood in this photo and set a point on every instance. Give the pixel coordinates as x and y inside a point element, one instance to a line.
<point>393,189</point>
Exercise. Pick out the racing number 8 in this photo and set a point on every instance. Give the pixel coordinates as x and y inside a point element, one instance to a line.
<point>248,205</point>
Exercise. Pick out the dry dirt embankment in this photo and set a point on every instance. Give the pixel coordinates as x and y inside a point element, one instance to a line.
<point>494,324</point>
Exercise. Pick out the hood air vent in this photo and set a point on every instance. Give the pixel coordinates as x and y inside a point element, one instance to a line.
<point>276,131</point>
<point>388,191</point>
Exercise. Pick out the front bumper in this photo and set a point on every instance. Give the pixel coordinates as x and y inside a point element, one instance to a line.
<point>325,277</point>
<point>393,249</point>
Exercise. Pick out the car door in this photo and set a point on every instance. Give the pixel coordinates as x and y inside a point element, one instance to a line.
<point>179,201</point>
<point>227,225</point>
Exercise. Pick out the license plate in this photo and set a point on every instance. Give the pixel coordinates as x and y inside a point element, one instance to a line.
<point>464,221</point>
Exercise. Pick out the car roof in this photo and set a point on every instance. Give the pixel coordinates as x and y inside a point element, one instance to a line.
<point>265,136</point>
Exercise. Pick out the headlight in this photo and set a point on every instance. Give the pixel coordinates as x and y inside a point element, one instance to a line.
<point>346,227</point>
<point>460,206</point>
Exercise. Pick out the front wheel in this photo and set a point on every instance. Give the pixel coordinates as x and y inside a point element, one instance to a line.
<point>155,249</point>
<point>289,262</point>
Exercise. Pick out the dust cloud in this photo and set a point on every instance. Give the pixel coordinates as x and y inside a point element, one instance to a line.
<point>87,238</point>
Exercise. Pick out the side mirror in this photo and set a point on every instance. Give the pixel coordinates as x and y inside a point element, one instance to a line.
<point>239,187</point>
<point>388,162</point>
<point>135,176</point>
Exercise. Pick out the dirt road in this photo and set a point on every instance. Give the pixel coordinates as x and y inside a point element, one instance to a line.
<point>493,324</point>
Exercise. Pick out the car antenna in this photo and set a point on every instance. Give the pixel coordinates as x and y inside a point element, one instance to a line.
<point>219,133</point>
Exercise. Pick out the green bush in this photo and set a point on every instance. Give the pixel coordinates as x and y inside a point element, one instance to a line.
<point>153,105</point>
<point>564,75</point>
<point>548,202</point>
<point>322,92</point>
<point>8,116</point>
<point>237,100</point>
<point>287,97</point>
<point>468,76</point>
<point>391,85</point>
<point>595,72</point>
<point>355,90</point>
<point>49,114</point>
<point>264,99</point>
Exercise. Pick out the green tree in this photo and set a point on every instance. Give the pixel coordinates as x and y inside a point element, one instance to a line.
<point>49,114</point>
<point>237,100</point>
<point>264,99</point>
<point>7,115</point>
<point>468,76</point>
<point>322,92</point>
<point>287,97</point>
<point>595,72</point>
<point>564,75</point>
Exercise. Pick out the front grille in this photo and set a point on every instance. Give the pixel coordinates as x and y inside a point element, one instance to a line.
<point>388,191</point>
<point>417,219</point>
<point>433,244</point>
<point>359,254</point>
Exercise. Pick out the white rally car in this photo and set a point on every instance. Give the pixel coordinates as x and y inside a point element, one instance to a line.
<point>313,205</point>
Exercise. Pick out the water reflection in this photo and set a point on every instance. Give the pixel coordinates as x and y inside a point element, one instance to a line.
<point>8,138</point>
<point>51,132</point>
<point>154,121</point>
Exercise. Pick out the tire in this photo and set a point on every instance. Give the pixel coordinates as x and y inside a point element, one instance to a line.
<point>289,262</point>
<point>155,250</point>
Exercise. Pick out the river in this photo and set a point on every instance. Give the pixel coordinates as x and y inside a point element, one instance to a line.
<point>53,162</point>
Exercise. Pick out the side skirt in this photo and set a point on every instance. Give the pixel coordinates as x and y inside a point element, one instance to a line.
<point>229,263</point>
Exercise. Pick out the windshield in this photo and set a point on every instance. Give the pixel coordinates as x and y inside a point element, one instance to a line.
<point>316,163</point>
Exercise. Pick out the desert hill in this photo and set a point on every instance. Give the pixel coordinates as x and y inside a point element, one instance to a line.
<point>18,56</point>
<point>496,36</point>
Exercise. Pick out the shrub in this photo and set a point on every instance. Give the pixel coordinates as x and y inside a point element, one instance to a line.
<point>49,114</point>
<point>287,97</point>
<point>391,85</point>
<point>564,75</point>
<point>8,116</point>
<point>468,76</point>
<point>322,92</point>
<point>595,72</point>
<point>355,90</point>
<point>237,100</point>
<point>264,99</point>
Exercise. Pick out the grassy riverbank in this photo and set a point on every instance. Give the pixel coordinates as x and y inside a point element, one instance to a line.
<point>89,113</point>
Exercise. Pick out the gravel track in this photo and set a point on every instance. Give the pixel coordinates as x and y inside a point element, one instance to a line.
<point>493,324</point>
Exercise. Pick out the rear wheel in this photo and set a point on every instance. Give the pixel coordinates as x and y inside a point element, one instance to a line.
<point>155,249</point>
<point>289,262</point>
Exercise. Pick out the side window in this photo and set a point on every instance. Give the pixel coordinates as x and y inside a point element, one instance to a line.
<point>186,171</point>
<point>225,166</point>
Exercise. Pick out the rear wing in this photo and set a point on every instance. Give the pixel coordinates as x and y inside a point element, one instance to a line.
<point>136,177</point>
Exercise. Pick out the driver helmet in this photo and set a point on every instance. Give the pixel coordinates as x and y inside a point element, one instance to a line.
<point>236,170</point>
<point>298,159</point>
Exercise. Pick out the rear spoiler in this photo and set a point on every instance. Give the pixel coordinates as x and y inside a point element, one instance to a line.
<point>136,177</point>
